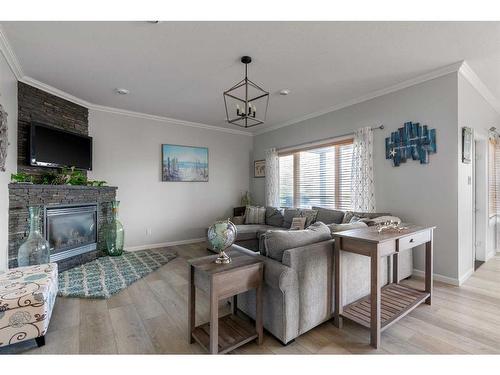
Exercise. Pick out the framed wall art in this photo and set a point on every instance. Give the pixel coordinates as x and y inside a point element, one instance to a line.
<point>259,168</point>
<point>184,163</point>
<point>466,145</point>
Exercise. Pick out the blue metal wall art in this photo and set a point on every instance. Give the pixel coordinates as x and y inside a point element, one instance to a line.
<point>412,141</point>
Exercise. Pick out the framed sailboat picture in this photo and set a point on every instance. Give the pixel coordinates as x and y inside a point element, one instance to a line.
<point>184,163</point>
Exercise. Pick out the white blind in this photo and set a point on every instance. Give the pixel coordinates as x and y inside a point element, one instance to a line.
<point>494,176</point>
<point>317,177</point>
<point>286,181</point>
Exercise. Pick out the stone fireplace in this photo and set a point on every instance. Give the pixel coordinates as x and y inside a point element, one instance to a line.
<point>73,218</point>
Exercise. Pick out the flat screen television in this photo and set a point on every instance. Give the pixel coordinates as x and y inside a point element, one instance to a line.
<point>52,147</point>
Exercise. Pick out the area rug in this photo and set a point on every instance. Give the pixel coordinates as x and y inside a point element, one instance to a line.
<point>106,276</point>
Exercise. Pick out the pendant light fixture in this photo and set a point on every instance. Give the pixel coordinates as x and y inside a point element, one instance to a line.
<point>246,103</point>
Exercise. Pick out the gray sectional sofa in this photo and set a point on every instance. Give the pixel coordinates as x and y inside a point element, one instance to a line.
<point>297,296</point>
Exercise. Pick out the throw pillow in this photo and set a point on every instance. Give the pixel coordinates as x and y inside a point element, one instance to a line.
<point>277,241</point>
<point>329,216</point>
<point>341,227</point>
<point>255,215</point>
<point>288,216</point>
<point>274,216</point>
<point>310,216</point>
<point>238,220</point>
<point>298,223</point>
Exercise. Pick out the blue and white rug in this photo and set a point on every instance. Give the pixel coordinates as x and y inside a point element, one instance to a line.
<point>106,276</point>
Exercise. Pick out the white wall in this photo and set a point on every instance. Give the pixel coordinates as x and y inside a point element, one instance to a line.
<point>475,112</point>
<point>423,194</point>
<point>8,99</point>
<point>127,154</point>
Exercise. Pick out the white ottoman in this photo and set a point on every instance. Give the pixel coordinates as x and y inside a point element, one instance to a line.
<point>27,296</point>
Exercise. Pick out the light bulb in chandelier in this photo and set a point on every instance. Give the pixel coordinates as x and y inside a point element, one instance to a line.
<point>250,112</point>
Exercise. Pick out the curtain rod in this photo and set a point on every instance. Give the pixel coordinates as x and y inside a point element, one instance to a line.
<point>324,140</point>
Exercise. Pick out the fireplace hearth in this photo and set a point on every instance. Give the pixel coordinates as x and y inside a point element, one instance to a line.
<point>71,230</point>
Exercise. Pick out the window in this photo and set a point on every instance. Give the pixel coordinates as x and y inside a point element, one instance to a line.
<point>493,176</point>
<point>317,176</point>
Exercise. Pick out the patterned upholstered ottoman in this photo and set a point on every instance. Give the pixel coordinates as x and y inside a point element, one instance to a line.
<point>27,296</point>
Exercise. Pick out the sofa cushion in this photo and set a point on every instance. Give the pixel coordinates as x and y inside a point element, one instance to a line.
<point>347,226</point>
<point>288,215</point>
<point>255,215</point>
<point>277,241</point>
<point>370,215</point>
<point>274,216</point>
<point>251,231</point>
<point>329,216</point>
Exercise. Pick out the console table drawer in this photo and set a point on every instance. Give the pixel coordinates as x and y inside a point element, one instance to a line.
<point>413,240</point>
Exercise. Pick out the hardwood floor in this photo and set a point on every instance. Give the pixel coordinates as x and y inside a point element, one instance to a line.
<point>151,317</point>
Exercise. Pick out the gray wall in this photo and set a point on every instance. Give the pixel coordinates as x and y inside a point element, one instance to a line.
<point>127,154</point>
<point>425,194</point>
<point>475,112</point>
<point>8,99</point>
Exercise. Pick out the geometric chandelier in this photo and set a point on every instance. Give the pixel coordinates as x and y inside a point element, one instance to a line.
<point>242,99</point>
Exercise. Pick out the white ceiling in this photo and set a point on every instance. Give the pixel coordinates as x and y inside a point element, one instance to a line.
<point>180,69</point>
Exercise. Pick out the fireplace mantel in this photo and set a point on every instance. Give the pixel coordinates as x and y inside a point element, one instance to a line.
<point>21,196</point>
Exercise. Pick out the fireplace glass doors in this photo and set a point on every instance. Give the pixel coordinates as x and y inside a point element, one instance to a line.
<point>71,230</point>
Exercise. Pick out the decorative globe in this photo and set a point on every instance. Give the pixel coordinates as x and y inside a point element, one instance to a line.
<point>221,235</point>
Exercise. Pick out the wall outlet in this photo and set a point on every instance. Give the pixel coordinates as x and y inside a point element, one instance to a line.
<point>149,231</point>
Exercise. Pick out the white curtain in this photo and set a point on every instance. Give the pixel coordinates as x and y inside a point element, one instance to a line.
<point>362,185</point>
<point>272,178</point>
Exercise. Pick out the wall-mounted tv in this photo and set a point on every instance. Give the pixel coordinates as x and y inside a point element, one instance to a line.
<point>52,147</point>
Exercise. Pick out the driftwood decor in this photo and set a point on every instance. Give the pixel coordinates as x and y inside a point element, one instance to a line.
<point>4,138</point>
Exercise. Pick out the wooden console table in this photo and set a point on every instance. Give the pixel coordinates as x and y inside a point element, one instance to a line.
<point>385,305</point>
<point>222,335</point>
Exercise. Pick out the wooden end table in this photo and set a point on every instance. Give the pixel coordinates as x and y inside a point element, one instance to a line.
<point>224,334</point>
<point>385,305</point>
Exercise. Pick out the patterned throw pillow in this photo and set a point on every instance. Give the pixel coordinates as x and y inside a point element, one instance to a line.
<point>255,215</point>
<point>310,216</point>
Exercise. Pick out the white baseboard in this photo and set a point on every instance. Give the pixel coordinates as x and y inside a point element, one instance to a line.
<point>446,279</point>
<point>438,277</point>
<point>490,255</point>
<point>466,276</point>
<point>165,244</point>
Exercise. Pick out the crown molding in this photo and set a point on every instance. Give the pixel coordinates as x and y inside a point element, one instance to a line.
<point>471,76</point>
<point>10,56</point>
<point>14,65</point>
<point>452,68</point>
<point>95,107</point>
<point>169,120</point>
<point>54,91</point>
